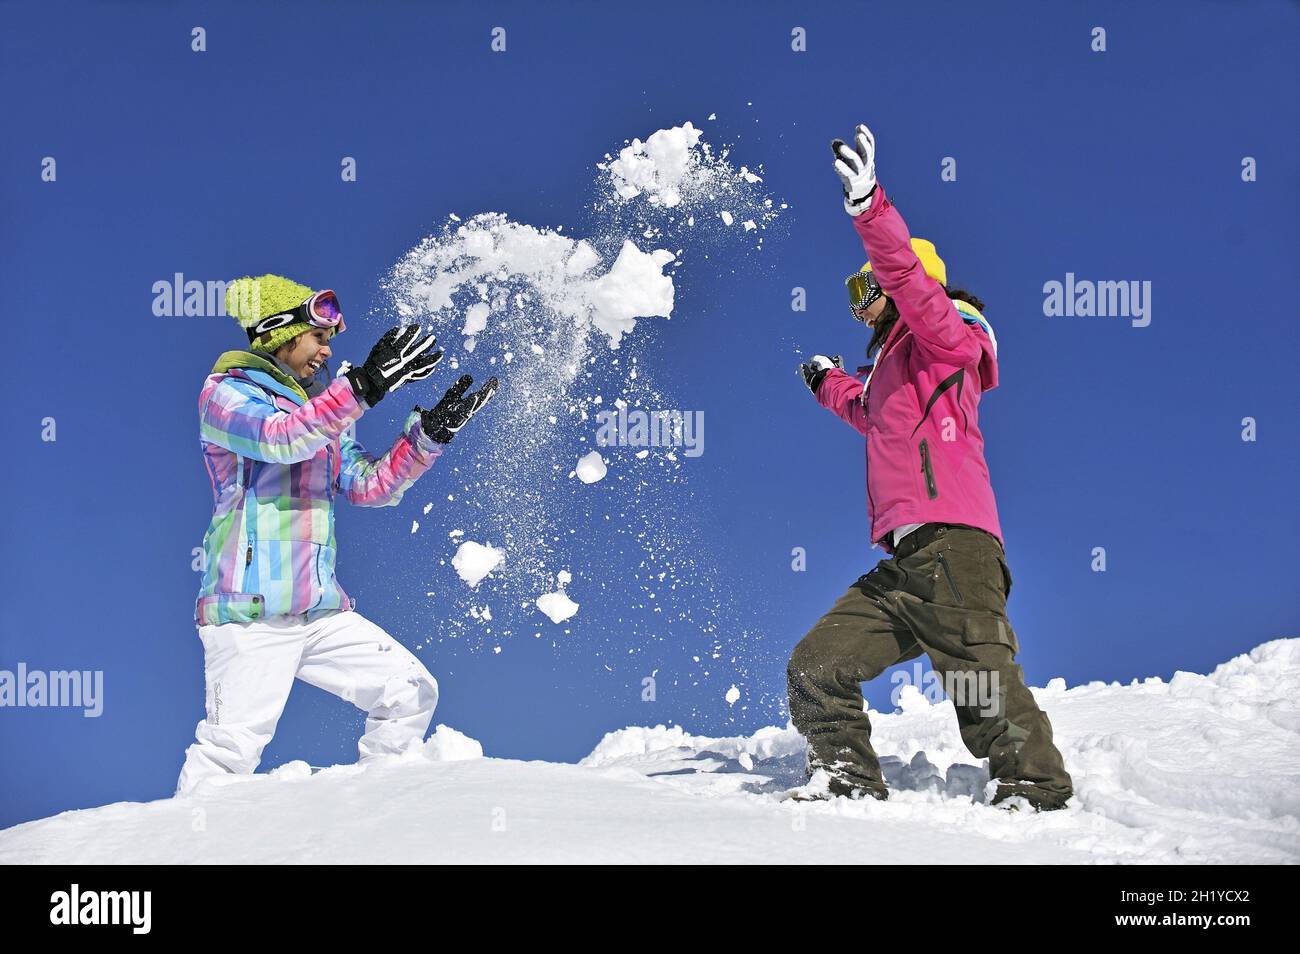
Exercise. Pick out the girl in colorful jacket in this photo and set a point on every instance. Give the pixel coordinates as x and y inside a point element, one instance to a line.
<point>279,449</point>
<point>930,504</point>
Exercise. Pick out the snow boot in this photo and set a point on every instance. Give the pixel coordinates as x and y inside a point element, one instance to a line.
<point>835,790</point>
<point>840,783</point>
<point>1022,796</point>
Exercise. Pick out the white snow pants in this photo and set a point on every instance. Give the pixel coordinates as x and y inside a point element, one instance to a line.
<point>249,669</point>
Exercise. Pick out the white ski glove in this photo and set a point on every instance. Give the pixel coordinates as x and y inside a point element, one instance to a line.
<point>813,371</point>
<point>856,167</point>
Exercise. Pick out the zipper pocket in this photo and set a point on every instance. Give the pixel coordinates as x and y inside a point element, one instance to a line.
<point>947,572</point>
<point>329,467</point>
<point>242,574</point>
<point>931,490</point>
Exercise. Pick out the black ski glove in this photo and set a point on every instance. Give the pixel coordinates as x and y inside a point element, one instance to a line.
<point>403,354</point>
<point>455,409</point>
<point>816,369</point>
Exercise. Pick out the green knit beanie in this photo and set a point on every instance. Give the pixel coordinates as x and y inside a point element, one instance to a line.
<point>249,300</point>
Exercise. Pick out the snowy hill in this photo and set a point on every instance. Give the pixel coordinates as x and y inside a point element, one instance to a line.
<point>1197,769</point>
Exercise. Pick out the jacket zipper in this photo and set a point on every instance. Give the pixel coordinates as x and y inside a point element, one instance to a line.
<point>885,347</point>
<point>329,468</point>
<point>931,490</point>
<point>320,580</point>
<point>248,567</point>
<point>241,481</point>
<point>947,572</point>
<point>248,529</point>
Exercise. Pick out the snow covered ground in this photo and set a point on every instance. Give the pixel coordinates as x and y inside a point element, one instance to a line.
<point>1201,769</point>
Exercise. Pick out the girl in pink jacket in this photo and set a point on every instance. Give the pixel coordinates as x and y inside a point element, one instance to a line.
<point>943,590</point>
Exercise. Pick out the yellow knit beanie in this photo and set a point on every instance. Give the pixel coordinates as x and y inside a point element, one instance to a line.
<point>249,300</point>
<point>930,260</point>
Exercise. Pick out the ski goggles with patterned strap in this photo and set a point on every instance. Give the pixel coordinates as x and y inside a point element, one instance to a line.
<point>863,291</point>
<point>321,310</point>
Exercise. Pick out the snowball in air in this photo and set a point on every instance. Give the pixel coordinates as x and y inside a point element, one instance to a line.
<point>557,606</point>
<point>473,561</point>
<point>591,467</point>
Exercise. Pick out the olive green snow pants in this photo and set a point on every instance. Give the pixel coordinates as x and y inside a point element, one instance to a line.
<point>944,593</point>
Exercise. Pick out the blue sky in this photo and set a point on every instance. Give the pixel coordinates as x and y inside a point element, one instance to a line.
<point>1121,165</point>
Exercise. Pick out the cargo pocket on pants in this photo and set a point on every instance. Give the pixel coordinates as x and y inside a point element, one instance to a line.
<point>980,630</point>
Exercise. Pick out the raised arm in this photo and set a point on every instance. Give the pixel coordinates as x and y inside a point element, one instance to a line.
<point>381,482</point>
<point>923,304</point>
<point>238,415</point>
<point>368,481</point>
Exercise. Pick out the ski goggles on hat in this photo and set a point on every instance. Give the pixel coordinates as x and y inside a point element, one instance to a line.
<point>863,291</point>
<point>321,310</point>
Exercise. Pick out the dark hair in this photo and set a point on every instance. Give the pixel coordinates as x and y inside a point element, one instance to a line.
<point>887,317</point>
<point>961,294</point>
<point>884,325</point>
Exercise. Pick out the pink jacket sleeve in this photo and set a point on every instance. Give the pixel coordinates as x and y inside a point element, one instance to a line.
<point>923,305</point>
<point>841,392</point>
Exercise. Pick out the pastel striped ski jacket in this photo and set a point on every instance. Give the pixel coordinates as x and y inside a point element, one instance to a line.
<point>277,461</point>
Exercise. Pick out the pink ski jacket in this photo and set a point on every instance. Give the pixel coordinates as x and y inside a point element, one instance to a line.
<point>918,408</point>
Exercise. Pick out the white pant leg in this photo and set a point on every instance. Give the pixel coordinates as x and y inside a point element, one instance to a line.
<point>248,671</point>
<point>350,656</point>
